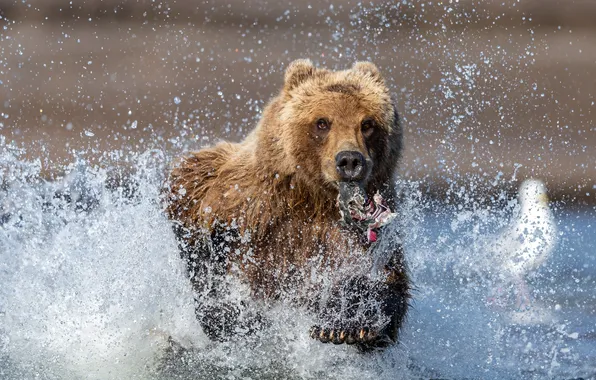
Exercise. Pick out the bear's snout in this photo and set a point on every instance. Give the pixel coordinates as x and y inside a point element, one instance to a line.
<point>350,165</point>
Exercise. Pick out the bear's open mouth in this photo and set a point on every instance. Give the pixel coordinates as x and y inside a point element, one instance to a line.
<point>366,213</point>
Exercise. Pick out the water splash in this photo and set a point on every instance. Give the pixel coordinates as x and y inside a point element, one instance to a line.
<point>93,287</point>
<point>88,292</point>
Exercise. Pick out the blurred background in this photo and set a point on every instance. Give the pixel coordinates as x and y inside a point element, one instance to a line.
<point>491,92</point>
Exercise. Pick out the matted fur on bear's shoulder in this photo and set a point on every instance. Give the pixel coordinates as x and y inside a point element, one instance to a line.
<point>280,186</point>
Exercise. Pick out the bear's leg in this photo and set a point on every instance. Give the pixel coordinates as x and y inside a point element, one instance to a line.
<point>366,312</point>
<point>223,320</point>
<point>220,317</point>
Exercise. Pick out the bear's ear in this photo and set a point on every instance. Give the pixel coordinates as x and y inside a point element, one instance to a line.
<point>298,72</point>
<point>368,68</point>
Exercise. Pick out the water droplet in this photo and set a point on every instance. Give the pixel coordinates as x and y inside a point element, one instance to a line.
<point>177,100</point>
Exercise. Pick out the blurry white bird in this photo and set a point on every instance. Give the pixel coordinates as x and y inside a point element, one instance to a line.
<point>528,242</point>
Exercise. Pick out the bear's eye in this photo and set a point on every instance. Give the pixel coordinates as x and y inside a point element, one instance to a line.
<point>322,124</point>
<point>367,127</point>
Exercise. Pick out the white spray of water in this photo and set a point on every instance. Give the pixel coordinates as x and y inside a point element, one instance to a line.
<point>94,288</point>
<point>90,294</point>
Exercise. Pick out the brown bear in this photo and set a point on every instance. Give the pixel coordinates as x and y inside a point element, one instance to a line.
<point>275,212</point>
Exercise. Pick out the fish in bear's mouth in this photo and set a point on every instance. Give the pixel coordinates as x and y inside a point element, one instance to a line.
<point>368,214</point>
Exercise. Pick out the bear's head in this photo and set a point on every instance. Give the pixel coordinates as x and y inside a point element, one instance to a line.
<point>331,126</point>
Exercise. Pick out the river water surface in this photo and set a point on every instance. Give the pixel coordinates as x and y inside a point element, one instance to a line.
<point>92,288</point>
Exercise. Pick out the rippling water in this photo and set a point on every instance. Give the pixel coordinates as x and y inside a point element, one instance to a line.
<point>91,287</point>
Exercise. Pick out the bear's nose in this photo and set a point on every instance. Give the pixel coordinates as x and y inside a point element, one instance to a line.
<point>351,165</point>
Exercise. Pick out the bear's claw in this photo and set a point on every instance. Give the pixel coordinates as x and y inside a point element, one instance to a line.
<point>364,335</point>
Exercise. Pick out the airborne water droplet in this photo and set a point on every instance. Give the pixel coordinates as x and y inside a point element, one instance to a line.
<point>177,100</point>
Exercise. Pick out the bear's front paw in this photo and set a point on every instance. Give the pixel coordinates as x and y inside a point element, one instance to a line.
<point>342,335</point>
<point>359,311</point>
<point>365,337</point>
